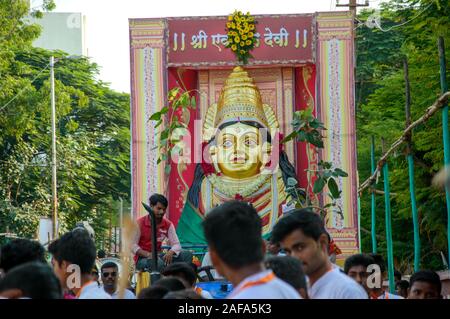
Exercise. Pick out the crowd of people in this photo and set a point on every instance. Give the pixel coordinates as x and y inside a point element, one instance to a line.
<point>294,264</point>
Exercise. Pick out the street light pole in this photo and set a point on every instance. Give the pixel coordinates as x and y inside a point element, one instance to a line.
<point>120,224</point>
<point>54,190</point>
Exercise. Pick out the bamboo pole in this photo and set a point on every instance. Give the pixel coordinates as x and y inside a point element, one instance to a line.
<point>380,192</point>
<point>387,203</point>
<point>431,110</point>
<point>129,233</point>
<point>369,233</point>
<point>445,134</point>
<point>409,156</point>
<point>373,207</point>
<point>359,224</point>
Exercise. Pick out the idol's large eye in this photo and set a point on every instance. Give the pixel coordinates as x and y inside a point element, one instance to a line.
<point>227,143</point>
<point>250,142</point>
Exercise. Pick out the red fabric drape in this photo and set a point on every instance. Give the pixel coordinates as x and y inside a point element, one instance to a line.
<point>305,89</point>
<point>177,189</point>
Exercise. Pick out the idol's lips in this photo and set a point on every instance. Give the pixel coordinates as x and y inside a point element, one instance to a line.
<point>238,158</point>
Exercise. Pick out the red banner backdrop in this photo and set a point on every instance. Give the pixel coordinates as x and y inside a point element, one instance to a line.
<point>190,52</point>
<point>200,41</point>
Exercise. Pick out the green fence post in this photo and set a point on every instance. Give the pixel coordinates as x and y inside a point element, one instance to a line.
<point>445,135</point>
<point>387,202</point>
<point>373,208</point>
<point>409,156</point>
<point>415,216</point>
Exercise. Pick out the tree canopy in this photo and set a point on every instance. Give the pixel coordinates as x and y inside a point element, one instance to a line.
<point>93,136</point>
<point>410,30</point>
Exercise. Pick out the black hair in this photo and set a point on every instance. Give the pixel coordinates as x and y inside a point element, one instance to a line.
<point>154,292</point>
<point>183,294</point>
<point>310,223</point>
<point>288,269</point>
<point>427,276</point>
<point>379,260</point>
<point>170,283</point>
<point>181,269</point>
<point>101,253</point>
<point>109,264</point>
<point>234,230</point>
<point>36,280</point>
<point>158,198</point>
<point>397,275</point>
<point>287,169</point>
<point>358,260</point>
<point>20,251</point>
<point>402,284</point>
<point>75,247</point>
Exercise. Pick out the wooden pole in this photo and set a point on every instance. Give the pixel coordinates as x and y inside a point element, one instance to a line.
<point>445,135</point>
<point>120,224</point>
<point>110,232</point>
<point>359,224</point>
<point>380,192</point>
<point>373,205</point>
<point>387,202</point>
<point>409,156</point>
<point>352,5</point>
<point>54,169</point>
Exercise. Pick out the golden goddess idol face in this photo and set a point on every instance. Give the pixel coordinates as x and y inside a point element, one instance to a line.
<point>238,150</point>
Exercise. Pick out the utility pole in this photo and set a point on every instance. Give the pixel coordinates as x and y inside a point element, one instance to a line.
<point>120,224</point>
<point>352,5</point>
<point>54,190</point>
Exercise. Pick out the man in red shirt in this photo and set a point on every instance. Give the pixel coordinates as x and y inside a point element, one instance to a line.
<point>165,233</point>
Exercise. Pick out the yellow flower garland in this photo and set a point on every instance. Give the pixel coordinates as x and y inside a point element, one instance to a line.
<point>240,30</point>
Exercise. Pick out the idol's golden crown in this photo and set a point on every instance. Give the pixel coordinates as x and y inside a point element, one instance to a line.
<point>240,100</point>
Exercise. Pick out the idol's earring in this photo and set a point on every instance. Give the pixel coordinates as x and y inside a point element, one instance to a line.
<point>213,156</point>
<point>265,156</point>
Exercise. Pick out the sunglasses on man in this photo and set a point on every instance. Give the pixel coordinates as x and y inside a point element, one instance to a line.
<point>107,274</point>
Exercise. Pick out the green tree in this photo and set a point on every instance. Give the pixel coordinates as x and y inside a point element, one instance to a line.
<point>93,135</point>
<point>410,31</point>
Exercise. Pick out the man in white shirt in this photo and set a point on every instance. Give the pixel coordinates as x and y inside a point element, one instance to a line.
<point>73,256</point>
<point>110,278</point>
<point>92,290</point>
<point>290,270</point>
<point>302,235</point>
<point>233,232</point>
<point>378,292</point>
<point>356,268</point>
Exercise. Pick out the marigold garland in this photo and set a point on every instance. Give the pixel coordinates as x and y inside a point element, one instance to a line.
<point>240,30</point>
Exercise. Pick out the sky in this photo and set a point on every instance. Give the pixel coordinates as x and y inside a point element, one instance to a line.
<point>107,35</point>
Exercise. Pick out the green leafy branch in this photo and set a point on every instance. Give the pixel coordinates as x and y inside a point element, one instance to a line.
<point>307,128</point>
<point>172,128</point>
